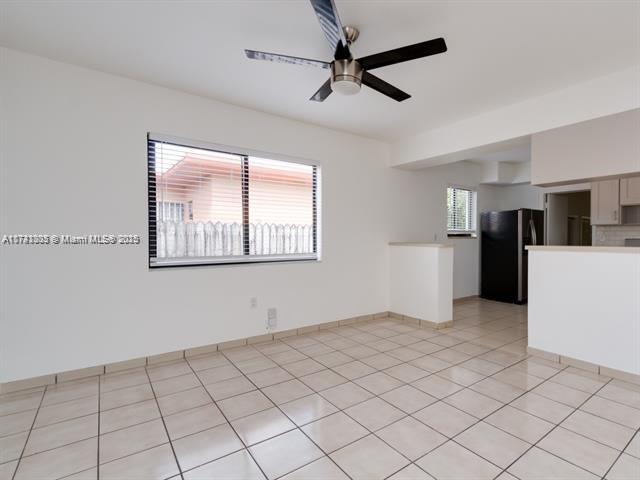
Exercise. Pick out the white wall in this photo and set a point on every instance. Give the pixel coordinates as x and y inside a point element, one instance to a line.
<point>511,125</point>
<point>596,315</point>
<point>506,173</point>
<point>513,197</point>
<point>74,161</point>
<point>531,196</point>
<point>604,147</point>
<point>419,213</point>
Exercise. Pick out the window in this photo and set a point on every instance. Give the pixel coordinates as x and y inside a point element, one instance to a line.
<point>173,211</point>
<point>461,212</point>
<point>212,207</point>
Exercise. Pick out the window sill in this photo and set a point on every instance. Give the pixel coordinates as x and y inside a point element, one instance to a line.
<point>231,261</point>
<point>462,235</point>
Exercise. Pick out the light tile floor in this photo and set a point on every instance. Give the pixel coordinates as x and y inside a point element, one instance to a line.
<point>375,400</point>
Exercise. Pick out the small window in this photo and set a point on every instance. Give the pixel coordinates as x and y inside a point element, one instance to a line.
<point>461,212</point>
<point>212,207</point>
<point>173,211</point>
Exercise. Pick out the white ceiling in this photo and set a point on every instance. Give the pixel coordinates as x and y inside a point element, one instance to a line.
<point>499,52</point>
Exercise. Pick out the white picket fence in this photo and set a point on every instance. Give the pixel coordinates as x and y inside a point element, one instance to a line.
<point>198,239</point>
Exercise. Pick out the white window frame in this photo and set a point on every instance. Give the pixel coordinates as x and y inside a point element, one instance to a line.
<point>315,256</point>
<point>472,230</point>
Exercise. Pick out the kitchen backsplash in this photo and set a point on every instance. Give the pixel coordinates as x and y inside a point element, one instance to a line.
<point>614,235</point>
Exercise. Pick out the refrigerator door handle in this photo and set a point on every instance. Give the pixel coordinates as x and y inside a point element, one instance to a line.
<point>532,226</point>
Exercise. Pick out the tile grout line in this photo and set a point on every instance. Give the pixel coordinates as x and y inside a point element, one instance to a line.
<point>297,427</point>
<point>560,369</point>
<point>98,449</point>
<point>89,438</point>
<point>165,428</point>
<point>594,415</point>
<point>467,387</point>
<point>575,409</point>
<point>228,423</point>
<point>318,392</point>
<point>67,401</point>
<point>486,416</point>
<point>15,472</point>
<point>441,399</point>
<point>565,367</point>
<point>404,383</point>
<point>622,452</point>
<point>503,470</point>
<point>34,393</point>
<point>340,410</point>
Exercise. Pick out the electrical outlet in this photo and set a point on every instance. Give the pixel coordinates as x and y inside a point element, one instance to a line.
<point>272,318</point>
<point>253,302</point>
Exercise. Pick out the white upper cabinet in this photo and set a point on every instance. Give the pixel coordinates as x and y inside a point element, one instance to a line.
<point>630,191</point>
<point>605,202</point>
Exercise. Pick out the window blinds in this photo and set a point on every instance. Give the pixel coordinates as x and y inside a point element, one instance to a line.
<point>461,210</point>
<point>208,206</point>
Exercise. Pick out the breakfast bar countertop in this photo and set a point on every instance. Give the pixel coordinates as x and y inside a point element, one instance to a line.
<point>579,249</point>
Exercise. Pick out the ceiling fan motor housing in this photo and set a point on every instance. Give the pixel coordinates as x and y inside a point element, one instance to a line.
<point>346,76</point>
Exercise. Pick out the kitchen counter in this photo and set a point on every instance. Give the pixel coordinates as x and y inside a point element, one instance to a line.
<point>421,283</point>
<point>584,304</point>
<point>578,249</point>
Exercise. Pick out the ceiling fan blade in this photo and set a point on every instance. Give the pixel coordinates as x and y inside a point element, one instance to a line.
<point>323,92</point>
<point>275,57</point>
<point>383,87</point>
<point>403,54</point>
<point>330,23</point>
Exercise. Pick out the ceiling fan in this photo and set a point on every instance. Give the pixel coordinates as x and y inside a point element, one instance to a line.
<point>347,73</point>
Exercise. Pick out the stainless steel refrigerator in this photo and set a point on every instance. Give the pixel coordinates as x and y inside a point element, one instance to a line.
<point>504,259</point>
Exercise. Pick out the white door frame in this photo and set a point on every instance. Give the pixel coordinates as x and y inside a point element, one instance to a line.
<point>582,187</point>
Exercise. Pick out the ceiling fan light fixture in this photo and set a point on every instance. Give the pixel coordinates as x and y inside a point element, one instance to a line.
<point>345,86</point>
<point>346,77</point>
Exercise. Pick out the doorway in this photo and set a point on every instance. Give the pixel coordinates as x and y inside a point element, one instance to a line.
<point>568,218</point>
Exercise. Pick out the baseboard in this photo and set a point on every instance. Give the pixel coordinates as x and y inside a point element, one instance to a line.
<point>587,366</point>
<point>419,322</point>
<point>459,300</point>
<point>553,357</point>
<point>436,326</point>
<point>86,372</point>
